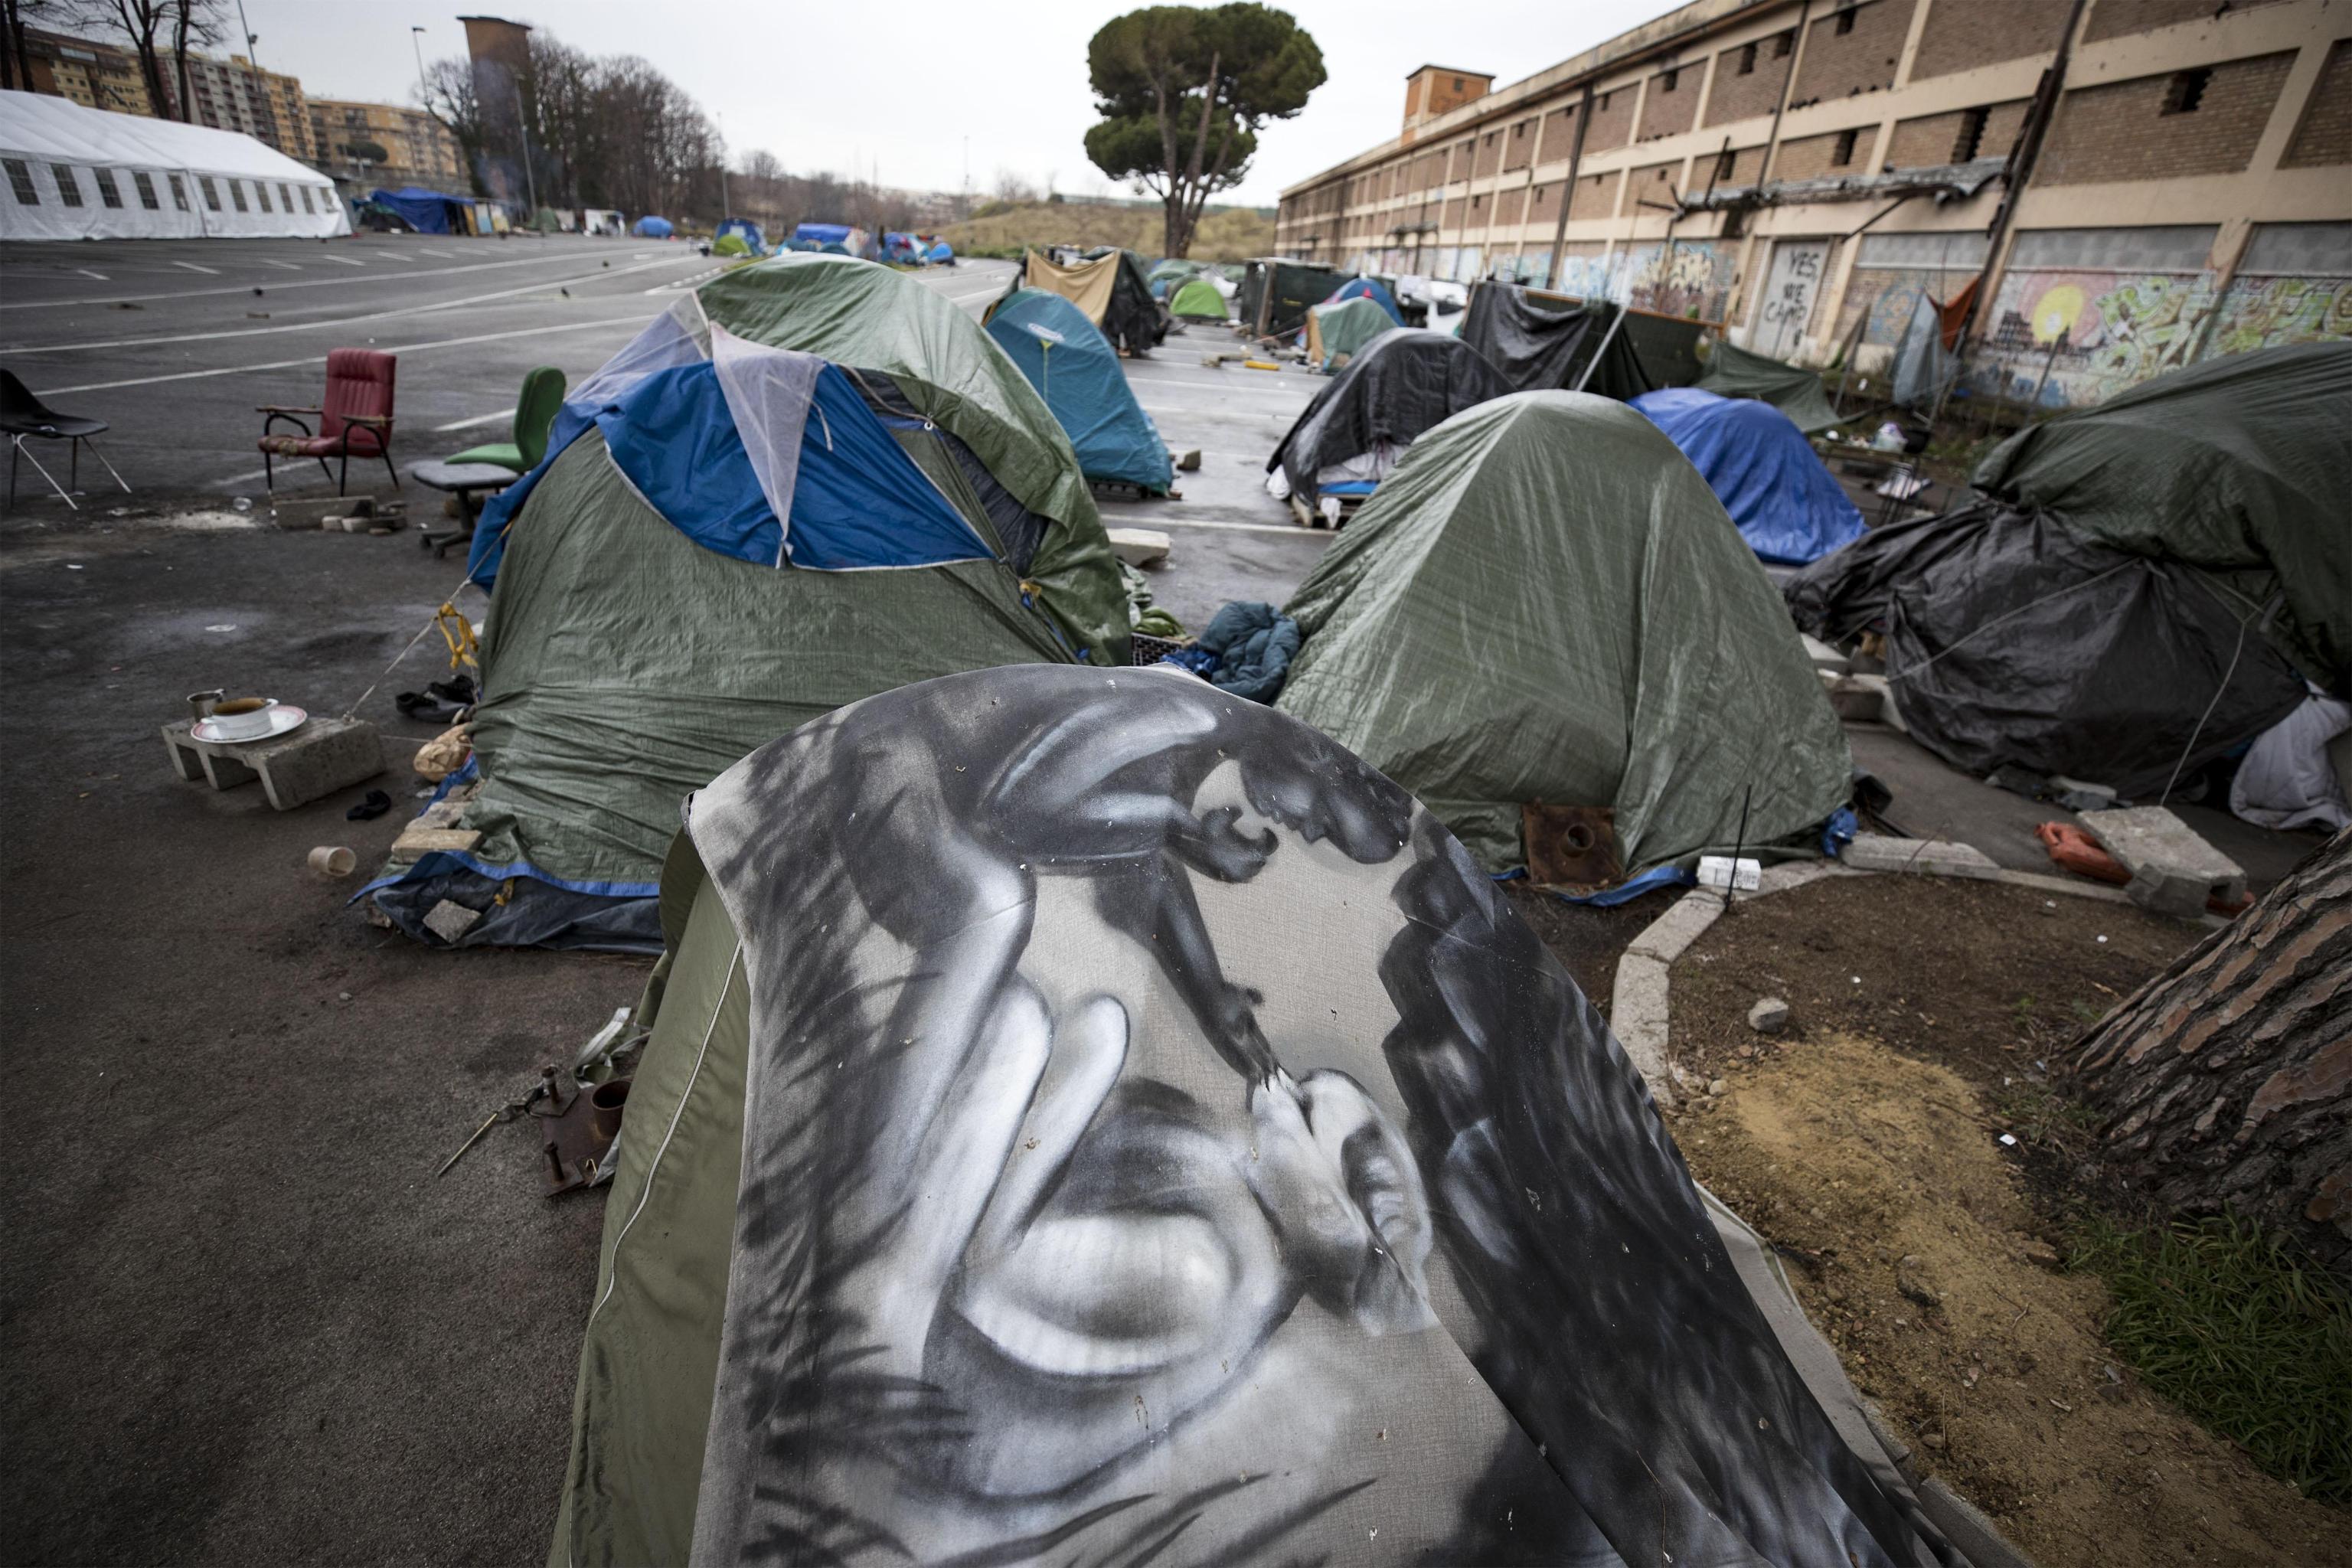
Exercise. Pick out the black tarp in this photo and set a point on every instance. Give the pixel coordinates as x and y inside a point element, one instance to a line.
<point>1134,320</point>
<point>1276,295</point>
<point>1542,342</point>
<point>2013,639</point>
<point>1404,382</point>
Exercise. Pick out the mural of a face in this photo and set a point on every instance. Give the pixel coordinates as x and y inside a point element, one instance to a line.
<point>1136,1168</point>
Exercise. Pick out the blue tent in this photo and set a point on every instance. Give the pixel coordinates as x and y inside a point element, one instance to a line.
<point>903,247</point>
<point>652,228</point>
<point>749,230</point>
<point>426,212</point>
<point>1075,370</point>
<point>941,251</point>
<point>1370,289</point>
<point>1762,470</point>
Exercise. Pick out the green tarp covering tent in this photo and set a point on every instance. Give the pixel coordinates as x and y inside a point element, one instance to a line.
<point>1341,331</point>
<point>641,634</point>
<point>1199,300</point>
<point>2240,466</point>
<point>1793,390</point>
<point>1544,604</point>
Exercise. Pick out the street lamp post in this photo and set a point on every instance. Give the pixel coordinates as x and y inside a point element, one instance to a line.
<point>417,42</point>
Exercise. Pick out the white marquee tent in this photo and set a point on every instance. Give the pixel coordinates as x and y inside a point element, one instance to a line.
<point>74,172</point>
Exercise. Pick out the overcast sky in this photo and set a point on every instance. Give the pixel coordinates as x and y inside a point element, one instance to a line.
<point>897,90</point>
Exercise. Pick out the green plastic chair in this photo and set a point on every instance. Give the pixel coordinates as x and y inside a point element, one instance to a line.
<point>542,395</point>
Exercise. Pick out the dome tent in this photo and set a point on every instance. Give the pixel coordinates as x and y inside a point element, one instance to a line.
<point>1075,371</point>
<point>1370,289</point>
<point>811,480</point>
<point>1135,1273</point>
<point>1197,299</point>
<point>652,228</point>
<point>1760,467</point>
<point>1334,331</point>
<point>1543,605</point>
<point>1406,381</point>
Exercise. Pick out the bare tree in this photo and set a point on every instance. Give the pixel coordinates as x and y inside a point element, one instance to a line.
<point>1013,189</point>
<point>2227,1079</point>
<point>197,23</point>
<point>138,21</point>
<point>16,60</point>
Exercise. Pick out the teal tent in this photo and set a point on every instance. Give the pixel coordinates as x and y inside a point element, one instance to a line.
<point>1075,369</point>
<point>1543,605</point>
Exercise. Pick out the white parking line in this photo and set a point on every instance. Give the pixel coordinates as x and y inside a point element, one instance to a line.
<point>476,419</point>
<point>88,273</point>
<point>349,260</point>
<point>634,323</point>
<point>193,268</point>
<point>1159,521</point>
<point>305,283</point>
<point>287,264</point>
<point>338,322</point>
<point>442,254</point>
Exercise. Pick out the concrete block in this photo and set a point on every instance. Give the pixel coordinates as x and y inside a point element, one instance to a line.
<point>1665,938</point>
<point>1139,546</point>
<point>1823,656</point>
<point>1925,856</point>
<point>450,920</point>
<point>2173,870</point>
<point>417,839</point>
<point>1637,1016</point>
<point>324,756</point>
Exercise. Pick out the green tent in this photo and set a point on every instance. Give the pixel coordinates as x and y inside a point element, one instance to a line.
<point>1793,389</point>
<point>1199,300</point>
<point>1340,330</point>
<point>2239,465</point>
<point>644,632</point>
<point>1543,602</point>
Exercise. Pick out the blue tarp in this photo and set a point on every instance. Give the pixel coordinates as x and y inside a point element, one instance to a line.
<point>747,229</point>
<point>426,212</point>
<point>901,247</point>
<point>858,500</point>
<point>943,251</point>
<point>652,228</point>
<point>1760,467</point>
<point>1370,289</point>
<point>1075,369</point>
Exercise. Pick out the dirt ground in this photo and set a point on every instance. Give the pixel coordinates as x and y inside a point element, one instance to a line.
<point>1865,1144</point>
<point>1587,938</point>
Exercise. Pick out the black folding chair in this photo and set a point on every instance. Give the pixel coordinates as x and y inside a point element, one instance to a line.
<point>25,417</point>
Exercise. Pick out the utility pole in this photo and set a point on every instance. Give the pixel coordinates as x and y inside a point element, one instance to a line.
<point>417,42</point>
<point>522,131</point>
<point>726,207</point>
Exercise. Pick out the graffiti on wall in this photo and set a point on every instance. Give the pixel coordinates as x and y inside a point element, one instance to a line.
<point>2263,312</point>
<point>1685,278</point>
<point>2065,339</point>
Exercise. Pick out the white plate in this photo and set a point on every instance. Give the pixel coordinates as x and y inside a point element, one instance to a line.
<point>284,719</point>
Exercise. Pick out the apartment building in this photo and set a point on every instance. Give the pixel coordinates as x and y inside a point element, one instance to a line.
<point>232,94</point>
<point>235,94</point>
<point>94,75</point>
<point>2133,185</point>
<point>417,149</point>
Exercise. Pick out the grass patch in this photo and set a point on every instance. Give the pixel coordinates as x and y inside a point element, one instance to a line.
<point>2226,1324</point>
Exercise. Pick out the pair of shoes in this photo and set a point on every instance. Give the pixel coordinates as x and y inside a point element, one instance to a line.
<point>441,702</point>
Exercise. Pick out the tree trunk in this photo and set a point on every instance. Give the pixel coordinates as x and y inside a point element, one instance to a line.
<point>2227,1079</point>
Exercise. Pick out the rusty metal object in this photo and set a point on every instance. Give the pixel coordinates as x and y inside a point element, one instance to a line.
<point>574,1138</point>
<point>1572,847</point>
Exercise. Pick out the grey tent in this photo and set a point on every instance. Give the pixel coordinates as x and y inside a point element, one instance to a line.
<point>1544,604</point>
<point>998,1187</point>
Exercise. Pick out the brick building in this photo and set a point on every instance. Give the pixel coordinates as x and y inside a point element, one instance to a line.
<point>232,94</point>
<point>1804,172</point>
<point>417,149</point>
<point>94,75</point>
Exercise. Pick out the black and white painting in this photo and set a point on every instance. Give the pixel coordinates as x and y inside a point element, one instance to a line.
<point>1163,1145</point>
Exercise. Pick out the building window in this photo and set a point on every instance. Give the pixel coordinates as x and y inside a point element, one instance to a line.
<point>237,195</point>
<point>1783,44</point>
<point>212,196</point>
<point>108,191</point>
<point>179,192</point>
<point>1843,153</point>
<point>69,188</point>
<point>1601,103</point>
<point>1845,20</point>
<point>1727,166</point>
<point>1666,82</point>
<point>20,180</point>
<point>1748,60</point>
<point>1457,84</point>
<point>2186,91</point>
<point>146,191</point>
<point>1971,137</point>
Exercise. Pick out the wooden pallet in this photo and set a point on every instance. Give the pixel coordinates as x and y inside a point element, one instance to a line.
<point>324,756</point>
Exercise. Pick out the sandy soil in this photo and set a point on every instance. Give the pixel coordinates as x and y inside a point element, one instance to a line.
<point>1865,1144</point>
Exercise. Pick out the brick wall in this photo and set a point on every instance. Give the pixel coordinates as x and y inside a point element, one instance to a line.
<point>1810,156</point>
<point>1596,196</point>
<point>1452,216</point>
<point>1458,156</point>
<point>1934,138</point>
<point>1743,167</point>
<point>2113,18</point>
<point>2325,134</point>
<point>1657,182</point>
<point>1543,203</point>
<point>1860,60</point>
<point>1670,111</point>
<point>1963,34</point>
<point>1559,134</point>
<point>1747,80</point>
<point>1519,147</point>
<point>1508,205</point>
<point>1612,119</point>
<point>1490,155</point>
<point>2119,131</point>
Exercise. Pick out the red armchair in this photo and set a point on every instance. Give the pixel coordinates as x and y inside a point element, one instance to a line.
<point>355,418</point>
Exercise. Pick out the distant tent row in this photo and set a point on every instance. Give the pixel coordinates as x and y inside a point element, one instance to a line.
<point>2144,586</point>
<point>749,238</point>
<point>77,173</point>
<point>424,211</point>
<point>811,481</point>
